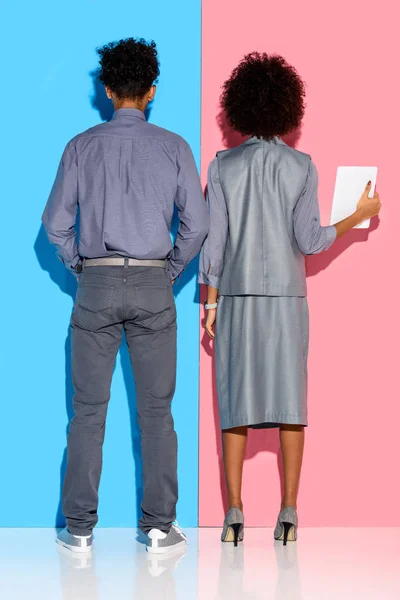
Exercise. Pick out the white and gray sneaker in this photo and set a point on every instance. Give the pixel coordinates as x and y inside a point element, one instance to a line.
<point>75,543</point>
<point>159,542</point>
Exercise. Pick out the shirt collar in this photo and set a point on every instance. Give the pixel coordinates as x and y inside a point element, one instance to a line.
<point>129,112</point>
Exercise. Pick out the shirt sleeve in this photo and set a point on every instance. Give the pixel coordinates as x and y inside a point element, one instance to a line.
<point>193,215</point>
<point>311,237</point>
<point>59,217</point>
<point>212,254</point>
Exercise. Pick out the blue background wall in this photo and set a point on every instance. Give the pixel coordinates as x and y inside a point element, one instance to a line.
<point>51,96</point>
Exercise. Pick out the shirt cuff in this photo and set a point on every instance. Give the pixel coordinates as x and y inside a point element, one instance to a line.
<point>173,272</point>
<point>330,236</point>
<point>73,265</point>
<point>207,279</point>
<point>76,266</point>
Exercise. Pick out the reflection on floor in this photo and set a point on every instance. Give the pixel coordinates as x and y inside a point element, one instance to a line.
<point>325,564</point>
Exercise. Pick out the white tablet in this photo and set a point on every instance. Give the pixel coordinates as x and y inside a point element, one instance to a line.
<point>350,185</point>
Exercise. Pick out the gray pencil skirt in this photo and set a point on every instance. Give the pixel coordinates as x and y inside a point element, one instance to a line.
<point>261,348</point>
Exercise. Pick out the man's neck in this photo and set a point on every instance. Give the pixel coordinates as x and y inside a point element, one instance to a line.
<point>129,104</point>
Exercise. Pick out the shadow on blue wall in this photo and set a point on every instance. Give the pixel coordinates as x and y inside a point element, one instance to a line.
<point>102,104</point>
<point>49,262</point>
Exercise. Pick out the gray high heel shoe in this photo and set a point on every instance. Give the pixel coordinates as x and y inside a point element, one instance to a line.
<point>286,527</point>
<point>233,529</point>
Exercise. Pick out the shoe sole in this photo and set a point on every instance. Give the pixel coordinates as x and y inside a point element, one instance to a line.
<point>74,549</point>
<point>291,536</point>
<point>165,549</point>
<point>230,536</point>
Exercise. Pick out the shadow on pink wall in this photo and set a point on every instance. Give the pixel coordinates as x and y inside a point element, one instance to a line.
<point>267,440</point>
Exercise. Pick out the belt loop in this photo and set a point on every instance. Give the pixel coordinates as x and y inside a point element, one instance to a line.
<point>126,264</point>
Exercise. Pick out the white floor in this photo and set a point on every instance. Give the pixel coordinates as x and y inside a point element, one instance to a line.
<point>324,564</point>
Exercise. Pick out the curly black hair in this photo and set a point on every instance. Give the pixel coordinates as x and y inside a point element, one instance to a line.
<point>264,96</point>
<point>129,67</point>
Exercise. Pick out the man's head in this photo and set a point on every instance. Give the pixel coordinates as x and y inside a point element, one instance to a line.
<point>129,70</point>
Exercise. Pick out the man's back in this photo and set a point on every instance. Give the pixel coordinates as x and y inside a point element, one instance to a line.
<point>126,176</point>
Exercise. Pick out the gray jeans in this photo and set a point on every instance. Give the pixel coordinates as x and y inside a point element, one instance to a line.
<point>139,301</point>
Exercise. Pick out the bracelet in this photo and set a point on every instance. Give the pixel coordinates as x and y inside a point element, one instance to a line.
<point>210,306</point>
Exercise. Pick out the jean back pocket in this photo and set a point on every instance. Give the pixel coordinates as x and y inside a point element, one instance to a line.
<point>93,304</point>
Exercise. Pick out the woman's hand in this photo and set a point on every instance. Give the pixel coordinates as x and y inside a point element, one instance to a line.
<point>366,209</point>
<point>210,322</point>
<point>369,207</point>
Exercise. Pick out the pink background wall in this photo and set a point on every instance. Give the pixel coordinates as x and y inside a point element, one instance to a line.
<point>348,56</point>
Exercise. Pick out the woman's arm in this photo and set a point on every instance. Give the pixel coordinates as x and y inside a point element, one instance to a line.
<point>212,253</point>
<point>213,250</point>
<point>310,236</point>
<point>212,298</point>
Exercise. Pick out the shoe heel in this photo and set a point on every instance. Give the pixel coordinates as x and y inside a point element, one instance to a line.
<point>236,529</point>
<point>286,530</point>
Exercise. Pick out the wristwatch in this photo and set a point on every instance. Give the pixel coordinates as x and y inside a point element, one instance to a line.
<point>210,306</point>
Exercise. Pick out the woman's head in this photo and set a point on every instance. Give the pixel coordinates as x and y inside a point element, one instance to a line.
<point>264,96</point>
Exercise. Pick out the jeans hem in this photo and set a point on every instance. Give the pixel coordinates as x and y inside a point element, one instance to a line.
<point>81,532</point>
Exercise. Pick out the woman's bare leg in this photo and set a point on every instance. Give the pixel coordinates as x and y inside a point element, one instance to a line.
<point>234,444</point>
<point>292,446</point>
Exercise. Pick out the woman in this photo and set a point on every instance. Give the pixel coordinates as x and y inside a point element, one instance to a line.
<point>264,218</point>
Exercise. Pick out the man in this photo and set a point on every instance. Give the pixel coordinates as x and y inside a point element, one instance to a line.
<point>125,176</point>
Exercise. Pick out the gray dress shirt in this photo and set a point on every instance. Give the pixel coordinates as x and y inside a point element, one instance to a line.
<point>310,236</point>
<point>125,176</point>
